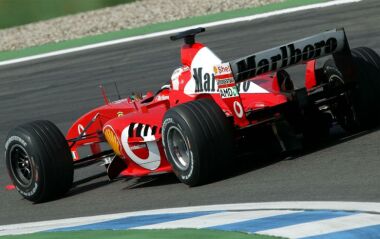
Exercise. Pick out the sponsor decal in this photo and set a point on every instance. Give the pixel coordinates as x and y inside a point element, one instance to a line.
<point>146,132</point>
<point>112,140</point>
<point>162,97</point>
<point>206,83</point>
<point>287,55</point>
<point>164,125</point>
<point>120,113</point>
<point>30,193</point>
<point>81,129</point>
<point>166,122</point>
<point>15,138</point>
<point>138,146</point>
<point>222,69</point>
<point>202,70</point>
<point>205,66</point>
<point>238,108</point>
<point>226,82</point>
<point>229,92</point>
<point>120,101</point>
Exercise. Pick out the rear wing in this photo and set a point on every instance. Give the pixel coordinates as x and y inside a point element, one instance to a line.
<point>333,42</point>
<point>330,42</point>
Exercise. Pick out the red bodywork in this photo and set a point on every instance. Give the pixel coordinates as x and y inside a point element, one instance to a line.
<point>132,127</point>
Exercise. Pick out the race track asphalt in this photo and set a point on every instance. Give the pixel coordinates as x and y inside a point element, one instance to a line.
<point>61,88</point>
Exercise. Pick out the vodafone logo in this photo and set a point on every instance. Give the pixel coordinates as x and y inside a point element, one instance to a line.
<point>238,108</point>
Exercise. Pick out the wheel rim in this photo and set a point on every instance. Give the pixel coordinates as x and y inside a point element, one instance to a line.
<point>21,165</point>
<point>178,148</point>
<point>336,81</point>
<point>346,117</point>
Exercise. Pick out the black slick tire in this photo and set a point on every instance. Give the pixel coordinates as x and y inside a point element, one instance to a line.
<point>361,110</point>
<point>366,97</point>
<point>198,141</point>
<point>38,161</point>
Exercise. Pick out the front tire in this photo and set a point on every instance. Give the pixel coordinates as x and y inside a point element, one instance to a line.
<point>38,160</point>
<point>198,141</point>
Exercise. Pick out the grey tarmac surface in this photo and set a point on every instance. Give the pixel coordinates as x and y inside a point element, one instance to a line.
<point>61,88</point>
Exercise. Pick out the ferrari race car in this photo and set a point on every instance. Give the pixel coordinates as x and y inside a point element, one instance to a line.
<point>208,113</point>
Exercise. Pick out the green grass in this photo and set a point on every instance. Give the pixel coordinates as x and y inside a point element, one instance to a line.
<point>18,12</point>
<point>141,234</point>
<point>6,55</point>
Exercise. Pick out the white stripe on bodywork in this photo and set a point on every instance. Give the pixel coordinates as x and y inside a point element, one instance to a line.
<point>154,158</point>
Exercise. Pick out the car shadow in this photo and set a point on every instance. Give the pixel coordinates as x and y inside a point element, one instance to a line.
<point>151,181</point>
<point>88,184</point>
<point>242,164</point>
<point>89,179</point>
<point>333,140</point>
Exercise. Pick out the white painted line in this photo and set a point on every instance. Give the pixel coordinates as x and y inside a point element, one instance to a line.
<point>162,33</point>
<point>325,226</point>
<point>55,224</point>
<point>217,219</point>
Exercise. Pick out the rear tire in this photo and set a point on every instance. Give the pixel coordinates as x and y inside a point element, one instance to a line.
<point>39,162</point>
<point>198,141</point>
<point>365,97</point>
<point>361,108</point>
<point>343,110</point>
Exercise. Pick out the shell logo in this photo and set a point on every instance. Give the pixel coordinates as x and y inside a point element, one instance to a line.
<point>112,140</point>
<point>215,70</point>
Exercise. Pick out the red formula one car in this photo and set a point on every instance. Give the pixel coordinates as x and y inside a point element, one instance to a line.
<point>209,112</point>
